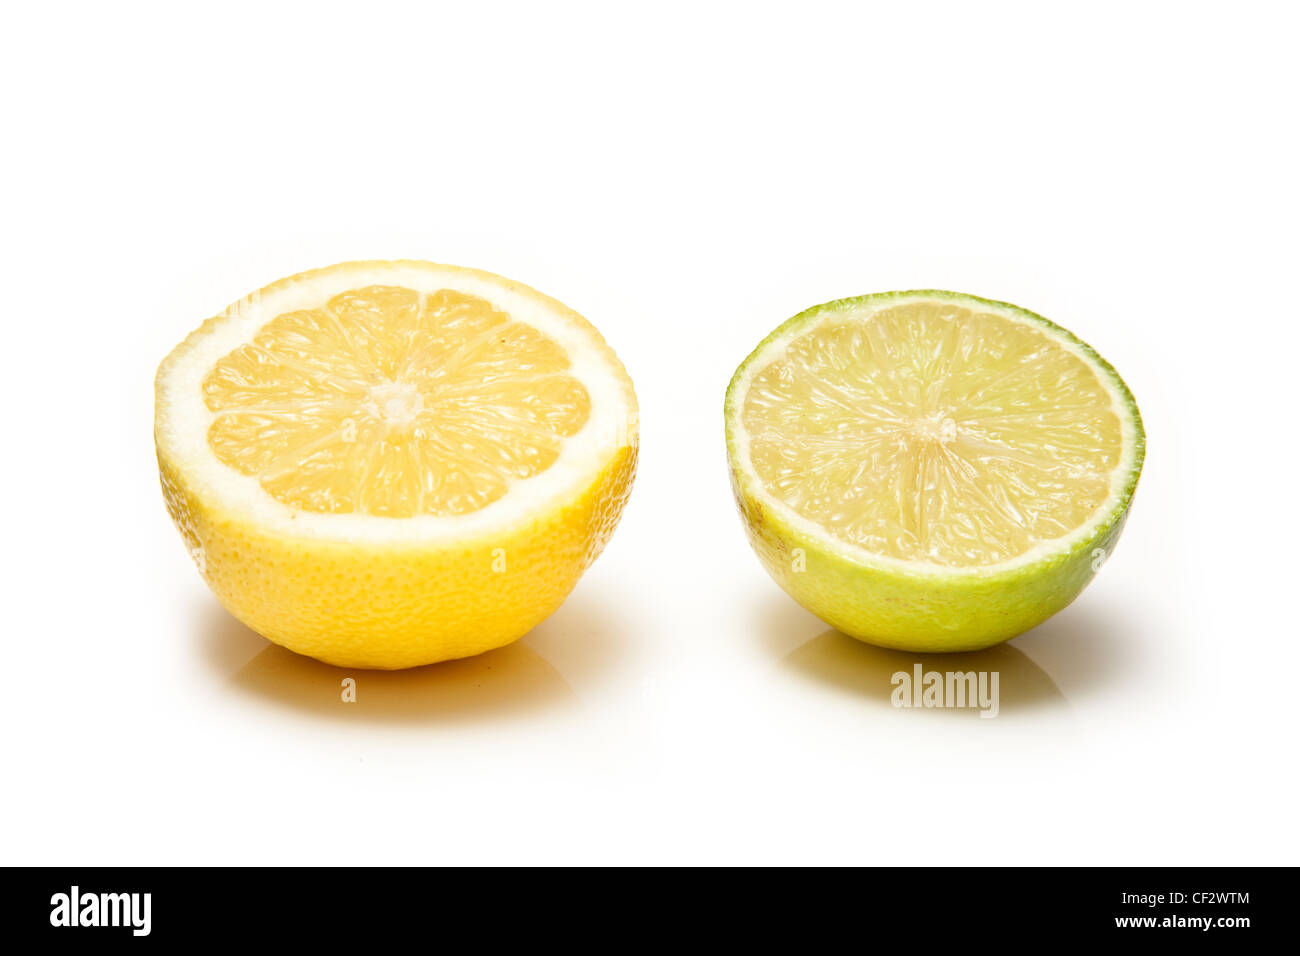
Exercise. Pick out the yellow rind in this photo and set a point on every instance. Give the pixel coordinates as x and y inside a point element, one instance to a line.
<point>398,605</point>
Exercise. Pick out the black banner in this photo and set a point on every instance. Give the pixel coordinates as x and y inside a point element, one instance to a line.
<point>137,906</point>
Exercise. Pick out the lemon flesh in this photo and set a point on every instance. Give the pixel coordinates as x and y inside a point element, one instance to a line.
<point>387,464</point>
<point>388,401</point>
<point>928,470</point>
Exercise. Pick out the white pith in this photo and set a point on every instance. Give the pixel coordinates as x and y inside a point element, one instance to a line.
<point>1119,477</point>
<point>183,418</point>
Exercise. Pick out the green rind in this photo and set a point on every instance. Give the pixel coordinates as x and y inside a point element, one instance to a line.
<point>921,608</point>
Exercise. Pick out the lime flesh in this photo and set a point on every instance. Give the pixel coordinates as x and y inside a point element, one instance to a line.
<point>929,470</point>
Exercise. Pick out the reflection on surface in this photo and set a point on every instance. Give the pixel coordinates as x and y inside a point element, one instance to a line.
<point>1092,646</point>
<point>586,638</point>
<point>867,672</point>
<point>783,624</point>
<point>499,684</point>
<point>1089,648</point>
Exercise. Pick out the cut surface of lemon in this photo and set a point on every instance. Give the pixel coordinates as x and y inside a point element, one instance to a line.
<point>930,470</point>
<point>387,464</point>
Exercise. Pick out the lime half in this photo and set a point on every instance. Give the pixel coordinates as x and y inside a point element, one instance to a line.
<point>929,470</point>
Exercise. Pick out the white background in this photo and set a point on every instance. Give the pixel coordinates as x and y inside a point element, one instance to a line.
<point>687,177</point>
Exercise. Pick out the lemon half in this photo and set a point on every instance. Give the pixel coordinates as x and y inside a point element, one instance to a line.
<point>928,470</point>
<point>387,464</point>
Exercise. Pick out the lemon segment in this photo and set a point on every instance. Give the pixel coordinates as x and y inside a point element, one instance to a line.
<point>929,470</point>
<point>391,402</point>
<point>386,464</point>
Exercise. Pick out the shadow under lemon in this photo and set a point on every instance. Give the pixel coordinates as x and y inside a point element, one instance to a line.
<point>503,683</point>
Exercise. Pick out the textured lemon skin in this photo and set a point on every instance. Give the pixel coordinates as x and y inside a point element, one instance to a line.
<point>398,605</point>
<point>916,610</point>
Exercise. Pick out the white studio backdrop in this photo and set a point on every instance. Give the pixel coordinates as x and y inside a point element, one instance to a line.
<point>687,176</point>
